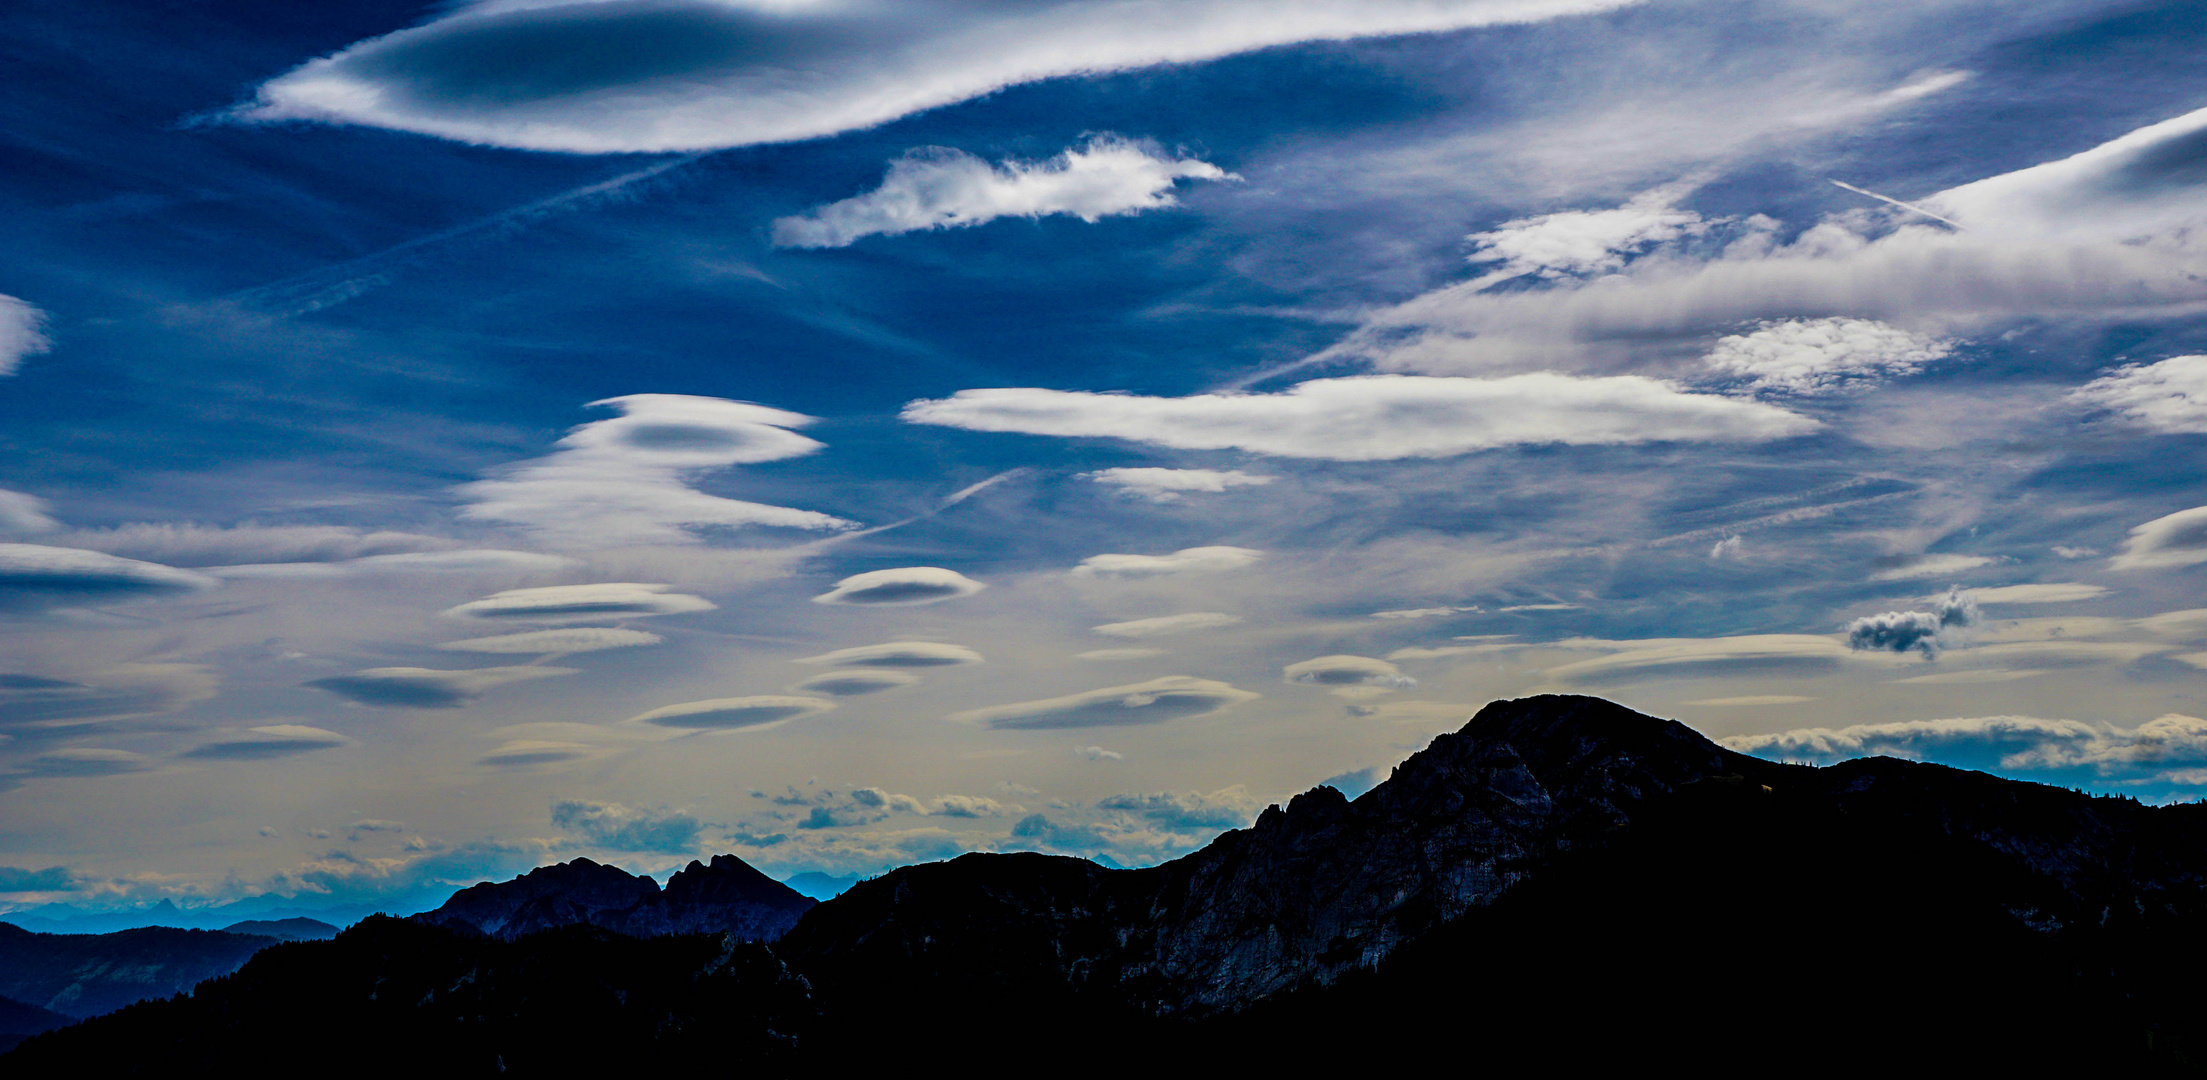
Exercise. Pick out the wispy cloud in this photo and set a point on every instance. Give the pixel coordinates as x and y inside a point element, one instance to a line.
<point>22,333</point>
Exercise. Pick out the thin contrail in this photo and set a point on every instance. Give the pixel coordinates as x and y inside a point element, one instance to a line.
<point>1896,202</point>
<point>333,285</point>
<point>950,500</point>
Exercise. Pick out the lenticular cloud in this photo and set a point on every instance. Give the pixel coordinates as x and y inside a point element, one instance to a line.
<point>599,76</point>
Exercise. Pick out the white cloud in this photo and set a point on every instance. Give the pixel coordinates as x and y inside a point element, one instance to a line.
<point>573,639</point>
<point>1229,808</point>
<point>756,713</point>
<point>1169,485</point>
<point>1753,700</point>
<point>267,741</point>
<point>1108,655</point>
<point>20,513</point>
<point>940,188</point>
<point>1163,625</point>
<point>1581,242</point>
<point>428,688</point>
<point>655,75</point>
<point>465,561</point>
<point>86,761</point>
<point>1791,654</point>
<point>851,682</point>
<point>1097,753</point>
<point>626,828</point>
<point>1420,613</point>
<point>34,575</point>
<point>2178,539</point>
<point>1362,673</point>
<point>526,753</point>
<point>1196,560</point>
<point>2010,742</point>
<point>213,545</point>
<point>898,654</point>
<point>1727,548</point>
<point>1817,356</point>
<point>1174,697</point>
<point>2048,593</point>
<point>573,603</point>
<point>1379,417</point>
<point>1933,566</point>
<point>2142,183</point>
<point>2068,552</point>
<point>22,333</point>
<point>900,586</point>
<point>2169,397</point>
<point>623,482</point>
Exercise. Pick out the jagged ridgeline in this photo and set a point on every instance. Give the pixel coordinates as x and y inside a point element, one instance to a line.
<point>1563,883</point>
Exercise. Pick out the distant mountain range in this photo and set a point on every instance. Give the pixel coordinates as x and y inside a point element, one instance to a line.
<point>1561,884</point>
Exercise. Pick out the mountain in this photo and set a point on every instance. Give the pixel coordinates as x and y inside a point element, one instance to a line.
<point>81,975</point>
<point>21,1020</point>
<point>284,929</point>
<point>1563,883</point>
<point>726,896</point>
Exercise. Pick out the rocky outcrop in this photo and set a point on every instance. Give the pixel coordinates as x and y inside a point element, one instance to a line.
<point>726,897</point>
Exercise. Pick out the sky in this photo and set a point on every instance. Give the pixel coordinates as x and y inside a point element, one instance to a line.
<point>446,438</point>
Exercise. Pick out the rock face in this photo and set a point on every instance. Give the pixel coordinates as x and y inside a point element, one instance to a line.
<point>727,897</point>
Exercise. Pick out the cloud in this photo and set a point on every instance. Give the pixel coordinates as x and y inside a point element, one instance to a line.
<point>625,828</point>
<point>1118,654</point>
<point>1196,560</point>
<point>268,741</point>
<point>1917,631</point>
<point>1420,613</point>
<point>1577,243</point>
<point>851,682</point>
<point>1727,548</point>
<point>623,482</point>
<point>2067,552</point>
<point>1753,700</point>
<point>1230,808</point>
<point>1791,654</point>
<point>51,879</point>
<point>1360,673</point>
<point>1169,485</point>
<point>734,714</point>
<point>1819,356</point>
<point>466,561</point>
<point>523,753</point>
<point>902,585</point>
<point>2048,593</point>
<point>1097,753</point>
<point>1379,417</point>
<point>573,639</point>
<point>210,545</point>
<point>2178,539</point>
<point>1918,567</point>
<point>898,654</point>
<point>2015,743</point>
<point>428,688</point>
<point>35,576</point>
<point>20,513</point>
<point>570,603</point>
<point>2169,397</point>
<point>657,75</point>
<point>939,188</point>
<point>1175,697</point>
<point>22,333</point>
<point>115,691</point>
<point>885,800</point>
<point>85,761</point>
<point>1168,624</point>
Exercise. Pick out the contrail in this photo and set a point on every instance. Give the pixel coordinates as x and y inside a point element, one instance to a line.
<point>333,285</point>
<point>950,500</point>
<point>1896,202</point>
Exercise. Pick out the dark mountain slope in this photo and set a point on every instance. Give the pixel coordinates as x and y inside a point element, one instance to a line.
<point>82,975</point>
<point>727,896</point>
<point>19,1021</point>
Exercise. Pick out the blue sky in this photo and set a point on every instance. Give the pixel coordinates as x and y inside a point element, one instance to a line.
<point>443,438</point>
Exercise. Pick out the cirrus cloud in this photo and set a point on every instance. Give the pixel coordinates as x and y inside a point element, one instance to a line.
<point>1196,560</point>
<point>2169,397</point>
<point>1380,417</point>
<point>1164,625</point>
<point>22,333</point>
<point>1169,485</point>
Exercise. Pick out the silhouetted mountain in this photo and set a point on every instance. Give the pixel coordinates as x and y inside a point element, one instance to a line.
<point>727,896</point>
<point>82,975</point>
<point>1562,883</point>
<point>284,929</point>
<point>21,1020</point>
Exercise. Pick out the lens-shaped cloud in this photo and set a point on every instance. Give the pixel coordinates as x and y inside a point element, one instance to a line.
<point>86,761</point>
<point>576,603</point>
<point>1166,625</point>
<point>428,688</point>
<point>1196,560</point>
<point>1347,671</point>
<point>1380,417</point>
<point>901,586</point>
<point>466,561</point>
<point>1170,485</point>
<point>268,741</point>
<point>1175,697</point>
<point>1792,654</point>
<point>2178,539</point>
<point>851,682</point>
<point>898,654</point>
<point>734,714</point>
<point>653,75</point>
<point>571,639</point>
<point>522,753</point>
<point>34,576</point>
